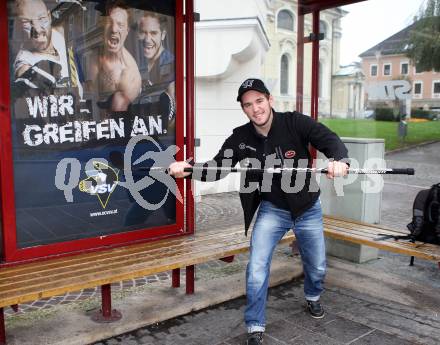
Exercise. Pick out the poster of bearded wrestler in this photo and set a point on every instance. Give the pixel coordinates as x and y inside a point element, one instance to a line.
<point>87,78</point>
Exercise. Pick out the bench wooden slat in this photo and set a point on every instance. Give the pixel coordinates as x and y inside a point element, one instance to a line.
<point>363,233</point>
<point>73,262</point>
<point>356,232</point>
<point>424,253</point>
<point>347,221</point>
<point>122,260</point>
<point>367,228</point>
<point>79,283</point>
<point>50,287</point>
<point>28,282</point>
<point>362,230</point>
<point>219,250</point>
<point>419,249</point>
<point>108,252</point>
<point>111,252</point>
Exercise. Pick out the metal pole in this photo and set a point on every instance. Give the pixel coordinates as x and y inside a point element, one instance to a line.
<point>315,74</point>
<point>106,299</point>
<point>315,66</point>
<point>175,275</point>
<point>300,62</point>
<point>189,51</point>
<point>106,314</point>
<point>189,57</point>
<point>190,272</point>
<point>2,328</point>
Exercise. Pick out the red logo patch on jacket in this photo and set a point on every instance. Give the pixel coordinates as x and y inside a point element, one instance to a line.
<point>289,154</point>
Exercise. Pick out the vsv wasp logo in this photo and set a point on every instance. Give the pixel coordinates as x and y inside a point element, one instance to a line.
<point>101,181</point>
<point>247,83</point>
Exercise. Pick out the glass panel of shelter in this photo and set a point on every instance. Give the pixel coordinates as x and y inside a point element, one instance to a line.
<point>74,111</point>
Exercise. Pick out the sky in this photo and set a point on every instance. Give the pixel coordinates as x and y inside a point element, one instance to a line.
<point>372,21</point>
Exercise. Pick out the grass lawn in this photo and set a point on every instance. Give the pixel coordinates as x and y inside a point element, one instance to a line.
<point>418,132</point>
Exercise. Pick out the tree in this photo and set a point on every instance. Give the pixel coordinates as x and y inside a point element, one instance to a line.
<point>424,39</point>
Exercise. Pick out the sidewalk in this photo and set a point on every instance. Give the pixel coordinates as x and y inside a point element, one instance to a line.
<point>354,316</point>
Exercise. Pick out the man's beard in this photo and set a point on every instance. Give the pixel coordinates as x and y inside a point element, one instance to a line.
<point>40,42</point>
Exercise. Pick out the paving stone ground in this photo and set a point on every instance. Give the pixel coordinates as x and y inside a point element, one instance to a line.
<point>351,318</point>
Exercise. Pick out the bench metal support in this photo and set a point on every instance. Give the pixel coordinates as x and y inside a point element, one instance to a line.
<point>106,314</point>
<point>190,279</point>
<point>228,259</point>
<point>2,328</point>
<point>175,278</point>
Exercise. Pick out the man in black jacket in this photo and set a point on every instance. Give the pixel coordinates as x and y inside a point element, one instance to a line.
<point>284,201</point>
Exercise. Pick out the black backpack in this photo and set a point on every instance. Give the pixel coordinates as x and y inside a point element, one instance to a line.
<point>425,225</point>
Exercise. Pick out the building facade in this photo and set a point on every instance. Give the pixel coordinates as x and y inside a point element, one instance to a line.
<point>348,92</point>
<point>387,61</point>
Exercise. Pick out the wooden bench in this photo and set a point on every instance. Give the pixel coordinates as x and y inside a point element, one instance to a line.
<point>370,235</point>
<point>32,281</point>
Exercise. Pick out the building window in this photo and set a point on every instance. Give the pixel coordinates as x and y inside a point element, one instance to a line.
<point>386,69</point>
<point>417,90</point>
<point>323,28</point>
<point>284,75</point>
<point>404,68</point>
<point>417,70</point>
<point>436,88</point>
<point>373,70</point>
<point>285,20</point>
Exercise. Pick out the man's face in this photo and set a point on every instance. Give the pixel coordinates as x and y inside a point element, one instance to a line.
<point>151,36</point>
<point>257,107</point>
<point>35,21</point>
<point>116,30</point>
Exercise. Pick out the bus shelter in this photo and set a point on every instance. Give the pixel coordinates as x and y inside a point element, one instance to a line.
<point>67,122</point>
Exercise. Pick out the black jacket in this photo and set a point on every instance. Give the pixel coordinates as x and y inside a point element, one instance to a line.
<point>290,136</point>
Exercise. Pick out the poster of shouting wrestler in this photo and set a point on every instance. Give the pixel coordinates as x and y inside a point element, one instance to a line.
<point>88,80</point>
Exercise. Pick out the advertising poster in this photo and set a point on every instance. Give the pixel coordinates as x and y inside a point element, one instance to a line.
<point>87,78</point>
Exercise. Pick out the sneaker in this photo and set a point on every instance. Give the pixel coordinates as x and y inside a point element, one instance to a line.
<point>315,309</point>
<point>255,338</point>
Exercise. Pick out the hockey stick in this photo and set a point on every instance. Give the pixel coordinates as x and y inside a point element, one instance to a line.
<point>117,159</point>
<point>396,171</point>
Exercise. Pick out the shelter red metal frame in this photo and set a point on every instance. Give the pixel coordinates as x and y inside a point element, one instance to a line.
<point>11,253</point>
<point>189,154</point>
<point>314,7</point>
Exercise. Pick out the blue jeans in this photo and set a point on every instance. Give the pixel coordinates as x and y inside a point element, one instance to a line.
<point>270,226</point>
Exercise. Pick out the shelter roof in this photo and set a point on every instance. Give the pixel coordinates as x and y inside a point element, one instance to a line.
<point>308,6</point>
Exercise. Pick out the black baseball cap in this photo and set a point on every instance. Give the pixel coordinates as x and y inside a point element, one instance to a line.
<point>252,84</point>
